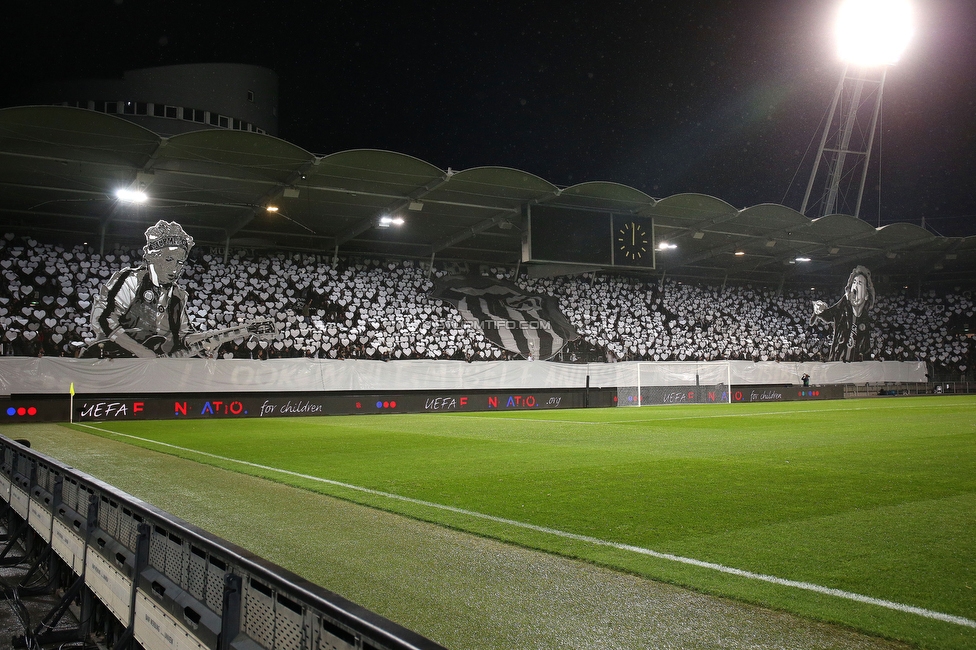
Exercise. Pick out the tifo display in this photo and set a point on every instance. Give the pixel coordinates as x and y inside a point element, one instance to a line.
<point>367,308</point>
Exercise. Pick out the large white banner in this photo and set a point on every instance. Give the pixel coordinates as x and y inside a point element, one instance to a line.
<point>29,375</point>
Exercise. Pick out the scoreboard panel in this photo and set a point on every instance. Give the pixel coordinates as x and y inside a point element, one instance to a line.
<point>573,236</point>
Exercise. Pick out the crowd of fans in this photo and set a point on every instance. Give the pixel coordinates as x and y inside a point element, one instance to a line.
<point>372,309</point>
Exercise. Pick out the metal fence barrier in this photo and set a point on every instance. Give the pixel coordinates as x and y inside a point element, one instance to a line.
<point>908,388</point>
<point>169,584</point>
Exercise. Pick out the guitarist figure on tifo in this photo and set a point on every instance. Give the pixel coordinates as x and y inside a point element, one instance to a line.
<point>141,312</point>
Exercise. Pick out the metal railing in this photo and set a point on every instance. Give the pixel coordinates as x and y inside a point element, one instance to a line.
<point>909,388</point>
<point>167,581</point>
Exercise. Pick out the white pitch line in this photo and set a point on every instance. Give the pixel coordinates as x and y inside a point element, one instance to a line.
<point>806,586</point>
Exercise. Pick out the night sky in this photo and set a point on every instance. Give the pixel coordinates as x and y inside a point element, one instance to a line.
<point>722,97</point>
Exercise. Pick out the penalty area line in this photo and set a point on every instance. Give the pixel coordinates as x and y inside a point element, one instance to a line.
<point>750,575</point>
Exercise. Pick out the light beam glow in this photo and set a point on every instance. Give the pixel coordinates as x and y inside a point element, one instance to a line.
<point>131,196</point>
<point>874,32</point>
<point>387,221</point>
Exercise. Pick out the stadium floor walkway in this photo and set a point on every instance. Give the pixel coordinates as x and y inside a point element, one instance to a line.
<point>464,591</point>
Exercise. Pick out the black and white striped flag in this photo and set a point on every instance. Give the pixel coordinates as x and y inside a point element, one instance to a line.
<point>529,324</point>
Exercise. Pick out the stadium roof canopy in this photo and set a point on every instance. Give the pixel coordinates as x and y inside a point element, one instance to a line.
<point>60,168</point>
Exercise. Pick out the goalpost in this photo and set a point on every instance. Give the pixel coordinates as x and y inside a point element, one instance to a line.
<point>677,382</point>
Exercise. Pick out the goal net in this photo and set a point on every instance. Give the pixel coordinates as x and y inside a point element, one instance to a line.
<point>679,382</point>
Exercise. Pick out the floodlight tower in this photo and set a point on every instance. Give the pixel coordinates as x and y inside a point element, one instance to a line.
<point>871,36</point>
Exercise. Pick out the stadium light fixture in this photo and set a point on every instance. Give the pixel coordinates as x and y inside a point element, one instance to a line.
<point>740,253</point>
<point>803,259</point>
<point>870,35</point>
<point>272,208</point>
<point>873,32</point>
<point>131,196</point>
<point>665,246</point>
<point>387,221</point>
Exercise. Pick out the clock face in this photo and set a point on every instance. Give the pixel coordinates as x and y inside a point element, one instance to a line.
<point>632,243</point>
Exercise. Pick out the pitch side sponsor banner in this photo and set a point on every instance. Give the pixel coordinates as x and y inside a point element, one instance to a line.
<point>88,408</point>
<point>737,394</point>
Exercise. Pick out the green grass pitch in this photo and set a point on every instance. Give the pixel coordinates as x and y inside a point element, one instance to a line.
<point>869,497</point>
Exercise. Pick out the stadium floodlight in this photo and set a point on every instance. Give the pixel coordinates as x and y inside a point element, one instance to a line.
<point>871,36</point>
<point>665,246</point>
<point>873,32</point>
<point>387,221</point>
<point>131,196</point>
<point>803,259</point>
<point>272,208</point>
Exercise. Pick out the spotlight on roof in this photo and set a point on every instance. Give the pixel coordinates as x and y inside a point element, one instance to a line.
<point>740,253</point>
<point>272,208</point>
<point>803,259</point>
<point>131,196</point>
<point>387,221</point>
<point>665,246</point>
